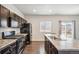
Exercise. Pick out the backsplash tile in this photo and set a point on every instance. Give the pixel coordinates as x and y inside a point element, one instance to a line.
<point>17,30</point>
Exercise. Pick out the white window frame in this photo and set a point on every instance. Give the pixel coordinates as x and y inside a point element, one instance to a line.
<point>73,29</point>
<point>45,26</point>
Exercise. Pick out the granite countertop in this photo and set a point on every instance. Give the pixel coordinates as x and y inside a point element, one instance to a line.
<point>6,42</point>
<point>21,34</point>
<point>16,36</point>
<point>65,45</point>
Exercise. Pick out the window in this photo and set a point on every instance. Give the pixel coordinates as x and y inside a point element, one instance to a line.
<point>45,26</point>
<point>67,30</point>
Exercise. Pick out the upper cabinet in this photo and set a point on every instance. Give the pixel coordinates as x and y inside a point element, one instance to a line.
<point>12,22</point>
<point>10,19</point>
<point>4,14</point>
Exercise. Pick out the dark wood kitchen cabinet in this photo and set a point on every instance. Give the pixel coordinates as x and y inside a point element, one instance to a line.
<point>19,20</point>
<point>49,47</point>
<point>10,49</point>
<point>0,21</point>
<point>15,21</point>
<point>9,18</point>
<point>4,14</point>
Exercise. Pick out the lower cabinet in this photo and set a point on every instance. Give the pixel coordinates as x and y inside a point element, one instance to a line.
<point>49,47</point>
<point>28,39</point>
<point>14,48</point>
<point>11,49</point>
<point>20,44</point>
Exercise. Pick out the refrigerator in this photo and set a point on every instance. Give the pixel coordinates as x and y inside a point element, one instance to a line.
<point>26,28</point>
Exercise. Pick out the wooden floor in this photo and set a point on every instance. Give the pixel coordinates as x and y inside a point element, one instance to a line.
<point>36,47</point>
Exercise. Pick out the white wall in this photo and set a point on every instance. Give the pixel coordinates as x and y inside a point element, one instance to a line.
<point>35,20</point>
<point>13,9</point>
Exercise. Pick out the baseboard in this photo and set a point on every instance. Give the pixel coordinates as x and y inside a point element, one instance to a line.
<point>38,40</point>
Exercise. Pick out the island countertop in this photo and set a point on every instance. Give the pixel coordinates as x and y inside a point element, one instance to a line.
<point>5,42</point>
<point>64,45</point>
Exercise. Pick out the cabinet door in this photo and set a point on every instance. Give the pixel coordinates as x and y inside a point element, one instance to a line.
<point>0,21</point>
<point>4,12</point>
<point>14,22</point>
<point>49,47</point>
<point>13,48</point>
<point>0,15</point>
<point>6,50</point>
<point>19,20</point>
<point>12,15</point>
<point>46,45</point>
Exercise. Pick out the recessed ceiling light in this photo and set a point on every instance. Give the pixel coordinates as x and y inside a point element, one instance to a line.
<point>50,10</point>
<point>34,10</point>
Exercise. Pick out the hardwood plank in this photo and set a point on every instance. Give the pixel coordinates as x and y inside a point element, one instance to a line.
<point>36,47</point>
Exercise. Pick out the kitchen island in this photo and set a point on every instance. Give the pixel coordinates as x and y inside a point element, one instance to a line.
<point>57,46</point>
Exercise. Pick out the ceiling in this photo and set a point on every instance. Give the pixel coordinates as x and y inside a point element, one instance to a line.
<point>48,9</point>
